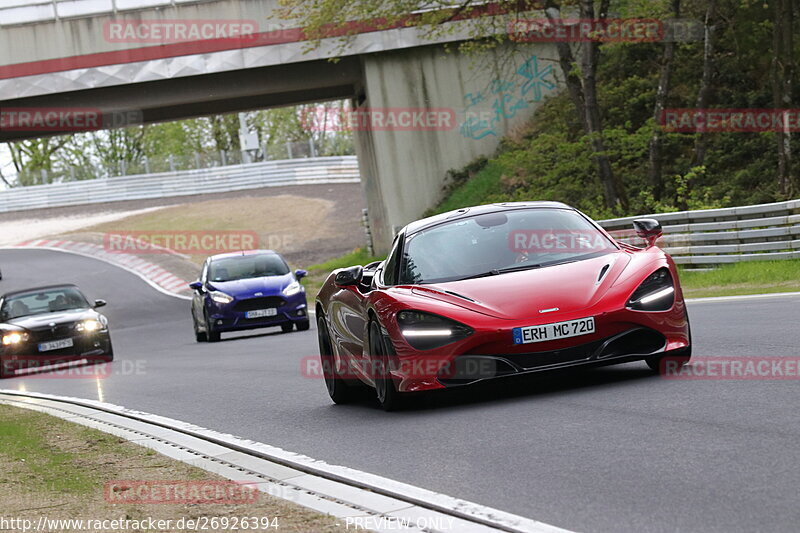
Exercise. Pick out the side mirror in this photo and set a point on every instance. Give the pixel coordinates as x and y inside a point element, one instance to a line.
<point>348,277</point>
<point>99,303</point>
<point>648,229</point>
<point>196,286</point>
<point>300,273</point>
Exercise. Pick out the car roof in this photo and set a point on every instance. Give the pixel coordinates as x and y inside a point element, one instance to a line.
<point>243,253</point>
<point>37,289</point>
<point>465,212</point>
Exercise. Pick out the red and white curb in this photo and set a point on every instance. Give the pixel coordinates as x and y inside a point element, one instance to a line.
<point>154,275</point>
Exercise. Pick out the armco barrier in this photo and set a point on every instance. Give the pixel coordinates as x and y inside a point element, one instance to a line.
<point>342,169</point>
<point>714,236</point>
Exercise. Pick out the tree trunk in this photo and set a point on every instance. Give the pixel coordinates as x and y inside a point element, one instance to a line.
<point>654,174</point>
<point>705,80</point>
<point>782,71</point>
<point>591,54</point>
<point>567,63</point>
<point>583,92</point>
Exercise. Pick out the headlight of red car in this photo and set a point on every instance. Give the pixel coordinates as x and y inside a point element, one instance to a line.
<point>656,293</point>
<point>425,331</point>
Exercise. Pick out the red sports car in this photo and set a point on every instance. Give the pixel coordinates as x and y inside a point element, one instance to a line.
<point>498,290</point>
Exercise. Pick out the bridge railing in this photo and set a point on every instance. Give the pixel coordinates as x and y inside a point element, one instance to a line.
<point>342,169</point>
<point>14,12</point>
<point>713,236</point>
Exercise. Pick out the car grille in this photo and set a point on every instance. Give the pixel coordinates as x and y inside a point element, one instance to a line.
<point>472,367</point>
<point>46,333</point>
<point>252,304</point>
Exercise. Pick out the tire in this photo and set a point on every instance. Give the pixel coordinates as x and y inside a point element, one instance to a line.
<point>303,325</point>
<point>286,328</point>
<point>657,363</point>
<point>110,355</point>
<point>381,354</point>
<point>3,373</point>
<point>200,336</point>
<point>338,389</point>
<point>211,335</point>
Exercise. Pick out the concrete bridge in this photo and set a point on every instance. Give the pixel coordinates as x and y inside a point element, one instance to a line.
<point>425,109</point>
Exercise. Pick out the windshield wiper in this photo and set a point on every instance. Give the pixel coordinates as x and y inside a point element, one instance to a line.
<point>496,271</point>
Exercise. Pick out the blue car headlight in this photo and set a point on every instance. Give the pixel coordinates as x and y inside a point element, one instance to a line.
<point>292,289</point>
<point>220,297</point>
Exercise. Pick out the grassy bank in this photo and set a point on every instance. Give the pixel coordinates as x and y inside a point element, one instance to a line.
<point>53,468</point>
<point>754,277</point>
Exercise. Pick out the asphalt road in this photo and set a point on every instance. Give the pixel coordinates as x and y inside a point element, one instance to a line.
<point>613,449</point>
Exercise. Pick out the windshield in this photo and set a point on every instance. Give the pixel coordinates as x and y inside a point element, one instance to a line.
<point>44,301</point>
<point>492,243</point>
<point>247,266</point>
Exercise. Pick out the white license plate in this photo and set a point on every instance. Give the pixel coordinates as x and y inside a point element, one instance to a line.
<point>259,313</point>
<point>554,331</point>
<point>55,345</point>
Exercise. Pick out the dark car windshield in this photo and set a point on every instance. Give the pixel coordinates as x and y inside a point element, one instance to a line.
<point>247,266</point>
<point>489,244</point>
<point>43,301</point>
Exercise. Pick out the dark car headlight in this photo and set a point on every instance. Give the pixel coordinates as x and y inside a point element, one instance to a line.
<point>425,331</point>
<point>90,325</point>
<point>14,337</point>
<point>656,293</point>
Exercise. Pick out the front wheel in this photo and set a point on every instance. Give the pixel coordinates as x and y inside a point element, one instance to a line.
<point>338,390</point>
<point>211,335</point>
<point>286,328</point>
<point>381,353</point>
<point>200,336</point>
<point>303,325</point>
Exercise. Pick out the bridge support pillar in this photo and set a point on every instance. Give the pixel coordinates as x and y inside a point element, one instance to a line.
<point>473,101</point>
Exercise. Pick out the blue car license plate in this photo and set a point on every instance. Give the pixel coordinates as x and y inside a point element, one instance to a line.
<point>261,313</point>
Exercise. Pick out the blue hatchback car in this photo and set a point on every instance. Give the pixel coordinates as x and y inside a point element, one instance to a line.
<point>247,290</point>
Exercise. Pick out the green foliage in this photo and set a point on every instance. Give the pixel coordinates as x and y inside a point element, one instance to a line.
<point>22,443</point>
<point>553,160</point>
<point>749,277</point>
<point>124,151</point>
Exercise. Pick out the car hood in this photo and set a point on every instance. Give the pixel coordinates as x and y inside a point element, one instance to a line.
<point>246,288</point>
<point>567,287</point>
<point>58,318</point>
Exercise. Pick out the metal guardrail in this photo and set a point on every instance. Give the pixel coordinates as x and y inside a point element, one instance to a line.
<point>343,169</point>
<point>751,233</point>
